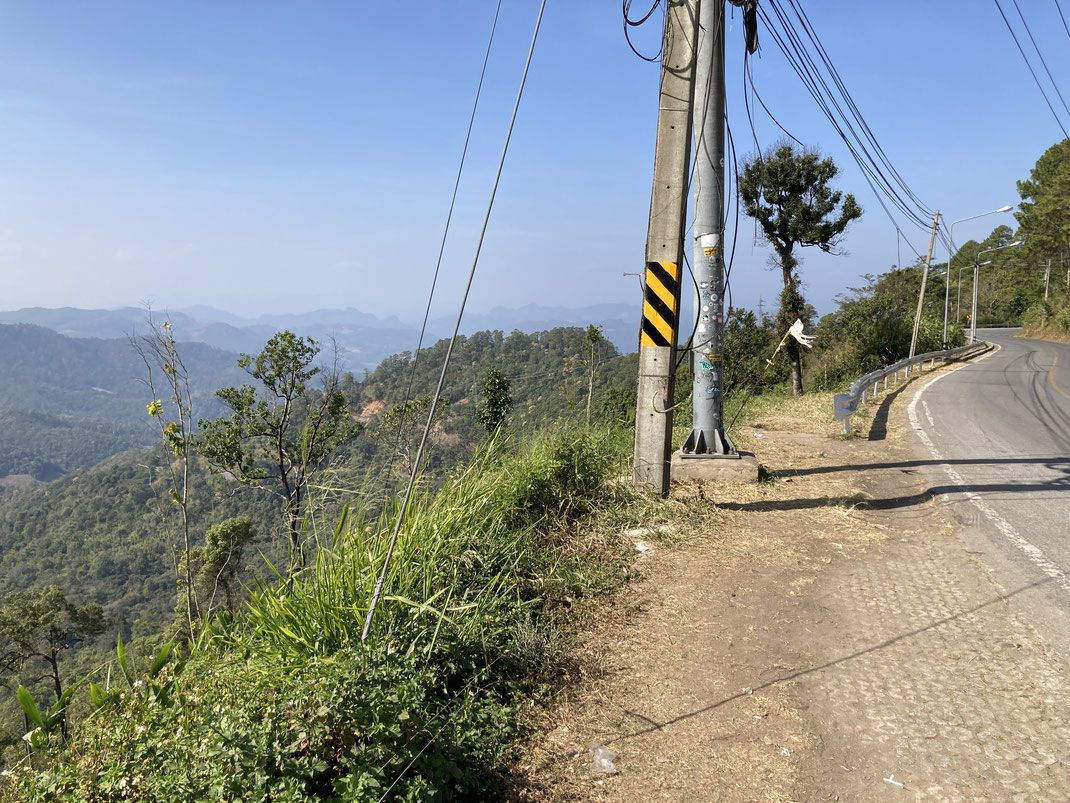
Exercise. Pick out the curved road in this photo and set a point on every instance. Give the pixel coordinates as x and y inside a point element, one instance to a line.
<point>994,437</point>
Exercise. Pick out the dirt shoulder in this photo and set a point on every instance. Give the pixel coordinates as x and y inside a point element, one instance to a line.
<point>823,636</point>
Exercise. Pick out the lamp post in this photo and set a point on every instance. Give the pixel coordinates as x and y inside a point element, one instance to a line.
<point>976,269</point>
<point>958,299</point>
<point>950,252</point>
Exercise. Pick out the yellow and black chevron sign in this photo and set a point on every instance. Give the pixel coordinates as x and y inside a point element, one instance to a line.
<point>660,302</point>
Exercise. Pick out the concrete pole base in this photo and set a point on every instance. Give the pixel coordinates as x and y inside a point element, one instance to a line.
<point>714,469</point>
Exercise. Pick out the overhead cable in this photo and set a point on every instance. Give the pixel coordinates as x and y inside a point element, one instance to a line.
<point>449,215</point>
<point>377,592</point>
<point>1032,72</point>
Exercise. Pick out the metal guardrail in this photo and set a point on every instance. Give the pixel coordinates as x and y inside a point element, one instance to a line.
<point>844,405</point>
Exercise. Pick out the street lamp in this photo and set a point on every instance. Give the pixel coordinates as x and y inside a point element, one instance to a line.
<point>950,251</point>
<point>976,269</point>
<point>958,299</point>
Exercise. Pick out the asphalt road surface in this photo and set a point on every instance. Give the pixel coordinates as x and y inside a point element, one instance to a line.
<point>994,442</point>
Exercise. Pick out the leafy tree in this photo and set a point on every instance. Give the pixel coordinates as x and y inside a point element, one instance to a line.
<point>1044,214</point>
<point>41,624</point>
<point>278,436</point>
<point>496,402</point>
<point>747,345</point>
<point>218,564</point>
<point>788,192</point>
<point>618,405</point>
<point>402,426</point>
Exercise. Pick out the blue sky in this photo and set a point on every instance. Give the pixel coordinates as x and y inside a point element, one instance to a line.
<point>283,156</point>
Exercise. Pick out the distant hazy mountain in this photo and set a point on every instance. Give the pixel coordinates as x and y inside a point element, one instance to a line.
<point>45,372</point>
<point>364,339</point>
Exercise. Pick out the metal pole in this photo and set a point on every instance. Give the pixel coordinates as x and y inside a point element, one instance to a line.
<point>708,438</point>
<point>947,285</point>
<point>950,255</point>
<point>924,281</point>
<point>664,250</point>
<point>973,306</point>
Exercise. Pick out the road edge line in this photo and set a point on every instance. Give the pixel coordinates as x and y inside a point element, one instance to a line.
<point>1033,553</point>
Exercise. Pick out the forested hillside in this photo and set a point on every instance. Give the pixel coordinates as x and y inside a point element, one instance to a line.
<point>68,402</point>
<point>46,446</point>
<point>109,534</point>
<point>45,372</point>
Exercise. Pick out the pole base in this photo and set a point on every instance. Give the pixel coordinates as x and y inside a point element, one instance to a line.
<point>720,446</point>
<point>743,470</point>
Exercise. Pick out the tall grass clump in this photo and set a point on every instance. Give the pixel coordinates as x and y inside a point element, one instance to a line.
<point>285,702</point>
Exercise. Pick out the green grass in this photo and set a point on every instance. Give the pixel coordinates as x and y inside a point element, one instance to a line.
<point>287,703</point>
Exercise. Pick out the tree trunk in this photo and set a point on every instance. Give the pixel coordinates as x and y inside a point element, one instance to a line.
<point>53,661</point>
<point>796,366</point>
<point>791,308</point>
<point>293,529</point>
<point>590,390</point>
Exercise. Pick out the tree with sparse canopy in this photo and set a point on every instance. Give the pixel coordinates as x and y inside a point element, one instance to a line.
<point>42,624</point>
<point>788,192</point>
<point>497,402</point>
<point>278,436</point>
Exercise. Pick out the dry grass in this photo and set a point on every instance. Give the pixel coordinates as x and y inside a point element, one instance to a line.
<point>687,672</point>
<point>662,668</point>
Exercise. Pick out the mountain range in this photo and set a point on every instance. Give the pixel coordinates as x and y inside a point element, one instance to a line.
<point>364,339</point>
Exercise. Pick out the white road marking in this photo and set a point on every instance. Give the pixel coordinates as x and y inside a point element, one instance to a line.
<point>928,415</point>
<point>1035,555</point>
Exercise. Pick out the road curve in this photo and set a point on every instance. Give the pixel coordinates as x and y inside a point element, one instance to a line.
<point>994,440</point>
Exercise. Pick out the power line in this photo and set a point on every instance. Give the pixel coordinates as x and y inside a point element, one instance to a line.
<point>1041,56</point>
<point>1060,10</point>
<point>873,168</point>
<point>453,340</point>
<point>630,23</point>
<point>1032,72</point>
<point>754,91</point>
<point>449,215</point>
<point>797,55</point>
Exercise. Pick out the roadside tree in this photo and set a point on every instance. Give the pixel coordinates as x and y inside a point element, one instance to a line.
<point>280,434</point>
<point>787,191</point>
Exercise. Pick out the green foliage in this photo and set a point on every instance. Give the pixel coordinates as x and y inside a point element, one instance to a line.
<point>219,565</point>
<point>99,530</point>
<point>47,373</point>
<point>874,325</point>
<point>788,193</point>
<point>618,406</point>
<point>46,447</point>
<point>35,627</point>
<point>401,429</point>
<point>276,438</point>
<point>546,372</point>
<point>286,703</point>
<point>496,403</point>
<point>1044,215</point>
<point>748,345</point>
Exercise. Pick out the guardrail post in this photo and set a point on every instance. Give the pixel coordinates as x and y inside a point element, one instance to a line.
<point>886,383</point>
<point>875,389</point>
<point>847,425</point>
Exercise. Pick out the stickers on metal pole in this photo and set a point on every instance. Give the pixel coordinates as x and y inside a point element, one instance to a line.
<point>660,302</point>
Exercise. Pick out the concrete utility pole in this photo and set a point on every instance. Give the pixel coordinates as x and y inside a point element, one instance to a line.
<point>708,438</point>
<point>924,281</point>
<point>664,250</point>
